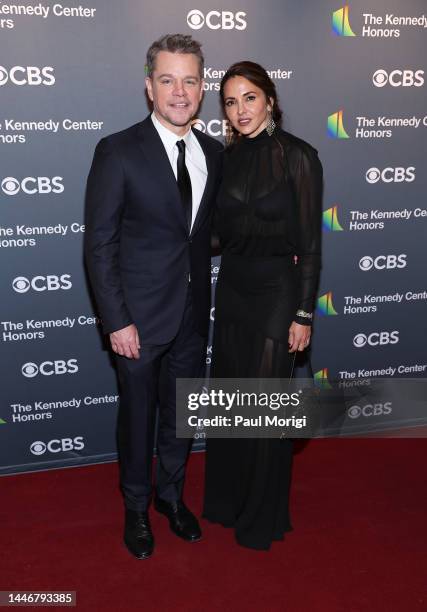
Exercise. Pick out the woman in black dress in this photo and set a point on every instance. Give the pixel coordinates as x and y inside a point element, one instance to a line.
<point>268,221</point>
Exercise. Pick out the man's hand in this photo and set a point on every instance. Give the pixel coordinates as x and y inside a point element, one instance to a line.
<point>125,342</point>
<point>299,337</point>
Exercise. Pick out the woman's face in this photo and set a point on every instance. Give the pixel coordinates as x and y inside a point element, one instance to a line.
<point>246,106</point>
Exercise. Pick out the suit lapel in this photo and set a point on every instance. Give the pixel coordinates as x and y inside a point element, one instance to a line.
<point>157,160</point>
<point>210,181</point>
<point>156,157</point>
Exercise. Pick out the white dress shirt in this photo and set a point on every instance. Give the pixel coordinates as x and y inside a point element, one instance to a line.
<point>194,160</point>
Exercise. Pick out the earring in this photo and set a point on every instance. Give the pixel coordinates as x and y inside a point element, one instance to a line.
<point>229,134</point>
<point>270,124</point>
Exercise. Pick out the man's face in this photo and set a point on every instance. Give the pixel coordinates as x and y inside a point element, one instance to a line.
<point>175,89</point>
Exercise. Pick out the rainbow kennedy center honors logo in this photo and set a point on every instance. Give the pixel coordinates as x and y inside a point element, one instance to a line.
<point>372,127</point>
<point>325,305</point>
<point>321,379</point>
<point>375,26</point>
<point>336,125</point>
<point>330,220</point>
<point>340,22</point>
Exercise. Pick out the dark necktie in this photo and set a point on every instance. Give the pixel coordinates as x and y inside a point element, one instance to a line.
<point>184,183</point>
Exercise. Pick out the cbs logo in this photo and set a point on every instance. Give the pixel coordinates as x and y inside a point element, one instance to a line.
<point>28,75</point>
<point>215,127</point>
<point>50,368</point>
<point>21,284</point>
<point>383,262</point>
<point>217,20</point>
<point>31,185</point>
<point>369,410</point>
<point>390,175</point>
<point>56,446</point>
<point>398,78</point>
<point>376,338</point>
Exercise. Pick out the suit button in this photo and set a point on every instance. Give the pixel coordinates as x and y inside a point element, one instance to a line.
<point>190,241</point>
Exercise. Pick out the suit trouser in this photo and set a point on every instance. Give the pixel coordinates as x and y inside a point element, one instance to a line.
<point>146,383</point>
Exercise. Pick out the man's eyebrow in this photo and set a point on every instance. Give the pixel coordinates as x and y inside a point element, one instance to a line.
<point>187,76</point>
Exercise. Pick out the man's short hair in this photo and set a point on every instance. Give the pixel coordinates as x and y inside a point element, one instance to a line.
<point>174,43</point>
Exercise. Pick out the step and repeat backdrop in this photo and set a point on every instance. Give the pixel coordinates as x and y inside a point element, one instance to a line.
<point>352,82</point>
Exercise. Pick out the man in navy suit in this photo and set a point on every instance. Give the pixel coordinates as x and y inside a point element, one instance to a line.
<point>150,195</point>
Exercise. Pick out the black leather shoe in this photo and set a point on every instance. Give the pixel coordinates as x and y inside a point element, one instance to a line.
<point>138,536</point>
<point>181,521</point>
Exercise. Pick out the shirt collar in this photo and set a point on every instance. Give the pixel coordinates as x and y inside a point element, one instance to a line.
<point>169,138</point>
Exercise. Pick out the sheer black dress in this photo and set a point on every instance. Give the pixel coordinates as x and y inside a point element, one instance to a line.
<point>268,212</point>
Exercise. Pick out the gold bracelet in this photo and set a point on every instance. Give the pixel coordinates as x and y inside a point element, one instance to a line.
<point>304,314</point>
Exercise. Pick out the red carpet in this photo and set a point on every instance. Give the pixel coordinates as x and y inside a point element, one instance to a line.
<point>359,540</point>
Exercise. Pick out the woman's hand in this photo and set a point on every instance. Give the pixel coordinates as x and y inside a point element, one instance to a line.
<point>299,337</point>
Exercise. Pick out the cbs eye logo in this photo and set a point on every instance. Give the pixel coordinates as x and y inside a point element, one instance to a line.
<point>51,282</point>
<point>50,368</point>
<point>376,339</point>
<point>398,78</point>
<point>196,19</point>
<point>214,127</point>
<point>38,448</point>
<point>32,185</point>
<point>366,263</point>
<point>354,412</point>
<point>21,284</point>
<point>27,75</point>
<point>390,175</point>
<point>10,185</point>
<point>370,410</point>
<point>4,75</point>
<point>216,20</point>
<point>383,262</point>
<point>29,370</point>
<point>57,445</point>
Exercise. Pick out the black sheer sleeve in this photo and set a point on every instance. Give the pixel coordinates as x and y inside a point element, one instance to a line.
<point>307,177</point>
<point>216,247</point>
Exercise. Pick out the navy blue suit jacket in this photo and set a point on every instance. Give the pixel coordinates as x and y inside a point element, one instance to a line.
<point>138,250</point>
